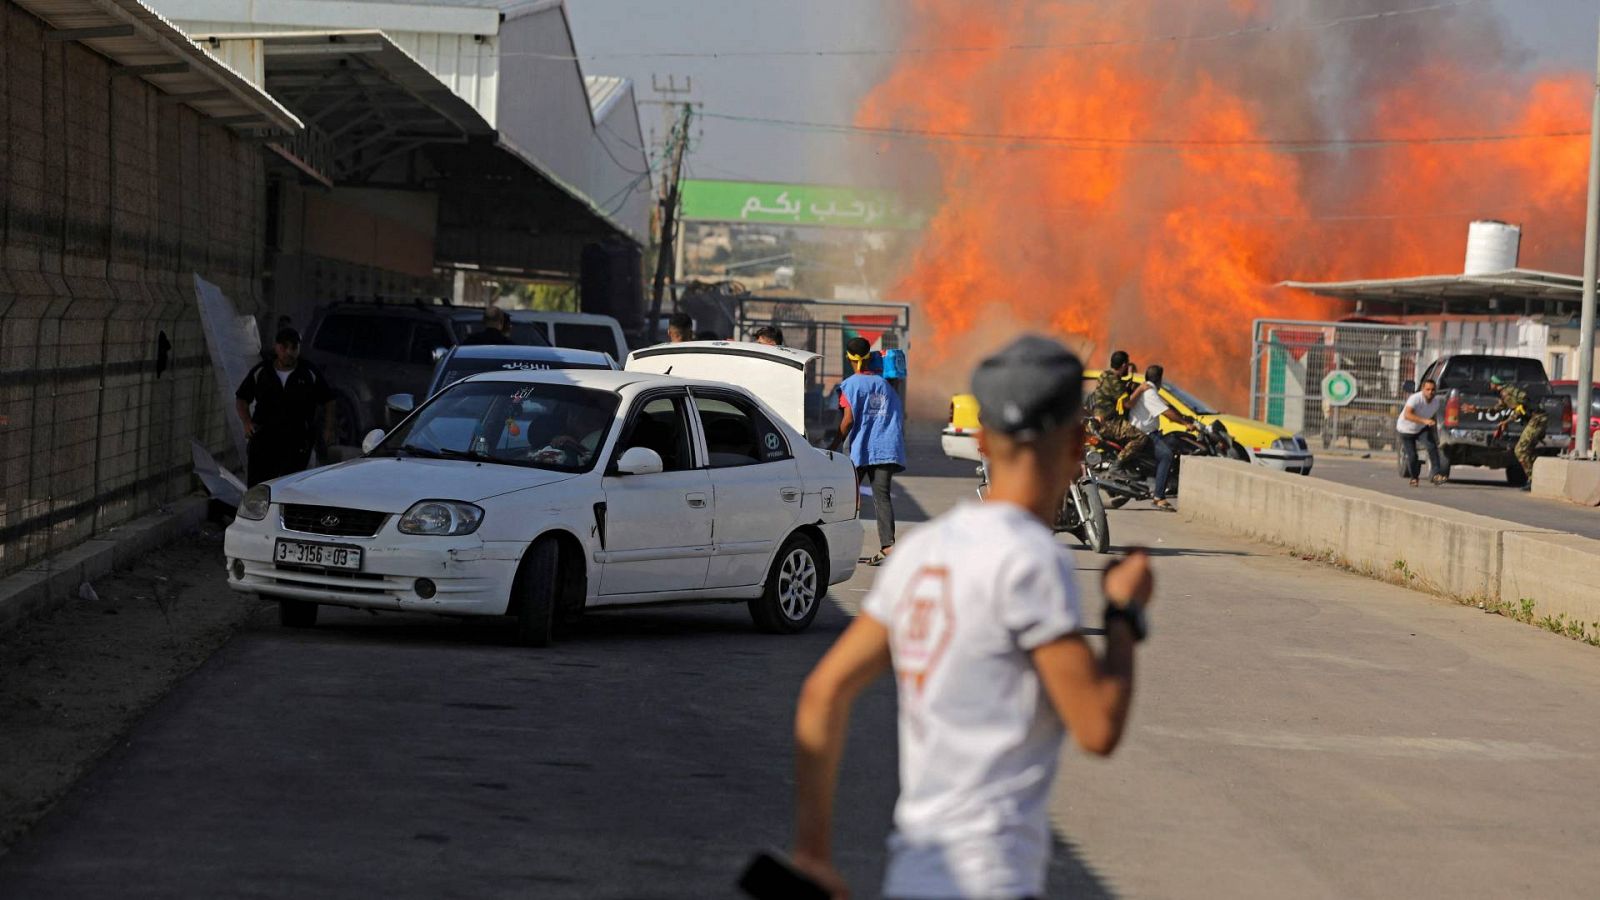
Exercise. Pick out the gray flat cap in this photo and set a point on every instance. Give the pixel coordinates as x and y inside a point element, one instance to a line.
<point>1031,386</point>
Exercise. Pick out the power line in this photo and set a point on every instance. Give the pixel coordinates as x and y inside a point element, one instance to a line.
<point>1246,31</point>
<point>1096,143</point>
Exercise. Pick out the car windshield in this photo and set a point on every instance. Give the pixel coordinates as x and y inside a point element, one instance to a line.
<point>1196,405</point>
<point>462,367</point>
<point>546,426</point>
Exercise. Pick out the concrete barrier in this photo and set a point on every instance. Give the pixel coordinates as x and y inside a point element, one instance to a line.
<point>1577,480</point>
<point>1560,573</point>
<point>1409,541</point>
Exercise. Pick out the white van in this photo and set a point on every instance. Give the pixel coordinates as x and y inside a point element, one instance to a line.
<point>578,331</point>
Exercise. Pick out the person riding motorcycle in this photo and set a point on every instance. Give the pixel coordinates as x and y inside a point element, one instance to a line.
<point>1110,405</point>
<point>1147,410</point>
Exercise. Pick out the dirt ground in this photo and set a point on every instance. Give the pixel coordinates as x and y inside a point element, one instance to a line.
<point>73,683</point>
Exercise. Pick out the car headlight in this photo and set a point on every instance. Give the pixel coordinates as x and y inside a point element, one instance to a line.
<point>441,517</point>
<point>255,503</point>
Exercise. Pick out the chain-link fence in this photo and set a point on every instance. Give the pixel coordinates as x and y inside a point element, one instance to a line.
<point>1290,360</point>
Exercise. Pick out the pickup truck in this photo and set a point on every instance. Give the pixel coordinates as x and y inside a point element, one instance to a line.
<point>1467,438</point>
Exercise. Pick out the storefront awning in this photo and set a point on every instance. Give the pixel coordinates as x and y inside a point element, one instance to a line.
<point>365,100</point>
<point>148,46</point>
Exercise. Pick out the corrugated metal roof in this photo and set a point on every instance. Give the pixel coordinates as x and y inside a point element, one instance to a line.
<point>135,36</point>
<point>604,92</point>
<point>1518,284</point>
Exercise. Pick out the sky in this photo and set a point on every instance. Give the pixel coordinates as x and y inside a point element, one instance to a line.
<point>614,35</point>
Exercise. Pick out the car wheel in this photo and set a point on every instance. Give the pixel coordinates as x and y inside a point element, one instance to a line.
<point>794,589</point>
<point>297,613</point>
<point>1238,452</point>
<point>534,592</point>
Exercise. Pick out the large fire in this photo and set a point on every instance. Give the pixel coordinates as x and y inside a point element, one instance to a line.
<point>1166,229</point>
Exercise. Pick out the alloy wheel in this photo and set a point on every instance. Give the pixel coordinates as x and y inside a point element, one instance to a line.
<point>797,584</point>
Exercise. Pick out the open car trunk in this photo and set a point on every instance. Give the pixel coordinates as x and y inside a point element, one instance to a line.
<point>777,375</point>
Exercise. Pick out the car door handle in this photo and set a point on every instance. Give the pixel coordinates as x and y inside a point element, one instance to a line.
<point>789,495</point>
<point>698,501</point>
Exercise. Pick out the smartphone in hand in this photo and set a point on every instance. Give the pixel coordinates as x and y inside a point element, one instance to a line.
<point>772,877</point>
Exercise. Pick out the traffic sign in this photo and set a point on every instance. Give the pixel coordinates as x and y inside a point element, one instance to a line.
<point>1339,388</point>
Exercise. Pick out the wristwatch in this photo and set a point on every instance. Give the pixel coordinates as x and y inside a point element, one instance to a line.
<point>1130,613</point>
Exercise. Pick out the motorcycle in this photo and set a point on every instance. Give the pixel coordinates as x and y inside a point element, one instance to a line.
<point>1082,513</point>
<point>1137,480</point>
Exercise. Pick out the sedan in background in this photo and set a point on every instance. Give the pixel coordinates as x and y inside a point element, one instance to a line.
<point>539,494</point>
<point>1569,389</point>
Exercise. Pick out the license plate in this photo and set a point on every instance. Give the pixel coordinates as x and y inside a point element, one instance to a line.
<point>327,556</point>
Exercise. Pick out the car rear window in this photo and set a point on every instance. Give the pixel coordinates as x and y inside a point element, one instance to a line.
<point>599,338</point>
<point>1472,373</point>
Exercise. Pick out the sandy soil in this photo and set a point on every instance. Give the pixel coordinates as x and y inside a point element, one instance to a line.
<point>72,684</point>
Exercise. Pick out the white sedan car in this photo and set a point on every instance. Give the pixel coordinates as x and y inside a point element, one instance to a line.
<point>539,494</point>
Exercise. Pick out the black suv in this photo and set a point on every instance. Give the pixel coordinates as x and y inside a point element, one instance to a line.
<point>370,350</point>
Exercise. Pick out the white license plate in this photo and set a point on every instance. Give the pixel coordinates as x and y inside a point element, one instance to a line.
<point>328,556</point>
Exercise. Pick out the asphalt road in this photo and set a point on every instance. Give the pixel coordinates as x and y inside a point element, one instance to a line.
<point>1299,732</point>
<point>1471,489</point>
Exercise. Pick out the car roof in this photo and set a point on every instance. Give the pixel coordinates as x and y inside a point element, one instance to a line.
<point>397,308</point>
<point>597,379</point>
<point>791,356</point>
<point>532,354</point>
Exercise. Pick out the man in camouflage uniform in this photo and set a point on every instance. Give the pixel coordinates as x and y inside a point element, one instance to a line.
<point>1514,401</point>
<point>1108,404</point>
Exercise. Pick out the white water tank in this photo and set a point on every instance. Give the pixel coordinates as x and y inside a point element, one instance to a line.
<point>1491,247</point>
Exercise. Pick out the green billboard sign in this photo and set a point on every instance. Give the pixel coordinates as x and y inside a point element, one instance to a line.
<point>813,205</point>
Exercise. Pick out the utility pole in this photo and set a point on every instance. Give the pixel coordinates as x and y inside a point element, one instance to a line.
<point>679,139</point>
<point>1591,243</point>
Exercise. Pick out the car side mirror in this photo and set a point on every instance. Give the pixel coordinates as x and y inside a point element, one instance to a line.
<point>639,461</point>
<point>372,440</point>
<point>439,352</point>
<point>1408,387</point>
<point>401,403</point>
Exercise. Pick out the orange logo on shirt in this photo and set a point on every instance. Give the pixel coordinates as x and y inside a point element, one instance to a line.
<point>923,624</point>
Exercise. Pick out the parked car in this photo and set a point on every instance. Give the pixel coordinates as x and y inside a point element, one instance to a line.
<point>539,494</point>
<point>1467,439</point>
<point>1259,442</point>
<point>1569,389</point>
<point>579,331</point>
<point>466,360</point>
<point>370,350</point>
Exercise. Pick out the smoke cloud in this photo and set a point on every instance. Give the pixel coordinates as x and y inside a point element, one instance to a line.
<point>1158,205</point>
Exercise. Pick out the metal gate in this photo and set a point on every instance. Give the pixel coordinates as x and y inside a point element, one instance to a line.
<point>1289,360</point>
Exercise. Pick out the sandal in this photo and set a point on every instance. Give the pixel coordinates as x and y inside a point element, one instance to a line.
<point>1165,505</point>
<point>875,559</point>
<point>1413,482</point>
<point>1439,479</point>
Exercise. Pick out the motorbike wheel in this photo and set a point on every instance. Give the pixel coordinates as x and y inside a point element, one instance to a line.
<point>1095,531</point>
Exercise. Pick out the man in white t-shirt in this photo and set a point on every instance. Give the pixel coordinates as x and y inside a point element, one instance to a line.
<point>978,615</point>
<point>1419,423</point>
<point>1148,409</point>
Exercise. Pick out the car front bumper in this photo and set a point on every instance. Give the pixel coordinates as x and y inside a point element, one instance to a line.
<point>1295,462</point>
<point>470,577</point>
<point>960,444</point>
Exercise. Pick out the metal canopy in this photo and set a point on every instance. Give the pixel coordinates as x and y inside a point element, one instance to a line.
<point>365,101</point>
<point>1458,293</point>
<point>147,46</point>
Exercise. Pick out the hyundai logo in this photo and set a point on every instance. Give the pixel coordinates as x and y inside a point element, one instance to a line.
<point>329,521</point>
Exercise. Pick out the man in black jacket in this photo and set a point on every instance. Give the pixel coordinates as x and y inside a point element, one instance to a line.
<point>280,403</point>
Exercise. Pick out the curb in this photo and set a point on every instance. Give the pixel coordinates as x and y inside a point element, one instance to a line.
<point>52,583</point>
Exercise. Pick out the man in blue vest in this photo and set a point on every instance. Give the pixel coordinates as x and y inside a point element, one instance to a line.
<point>873,424</point>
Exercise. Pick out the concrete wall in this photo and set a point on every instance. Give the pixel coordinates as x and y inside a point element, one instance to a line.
<point>1435,548</point>
<point>110,201</point>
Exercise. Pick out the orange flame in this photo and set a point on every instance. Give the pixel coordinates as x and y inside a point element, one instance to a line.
<point>1169,250</point>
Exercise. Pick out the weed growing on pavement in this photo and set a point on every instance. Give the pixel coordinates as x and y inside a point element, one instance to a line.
<point>1523,611</point>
